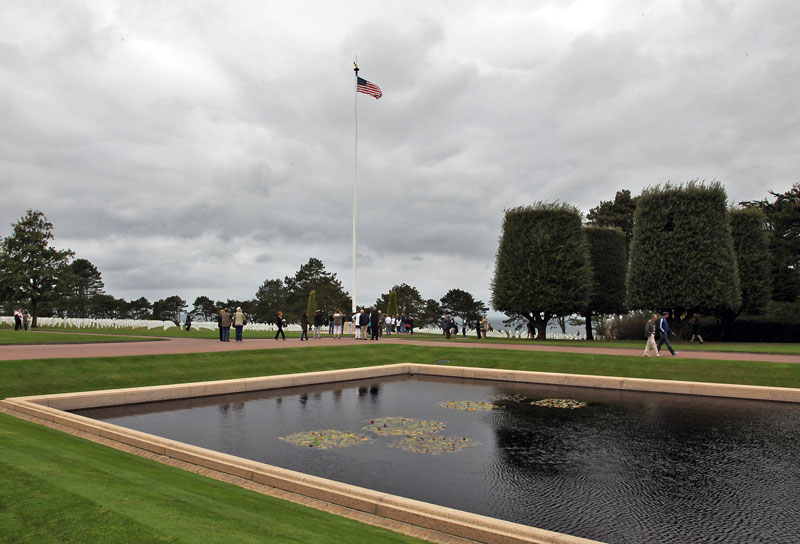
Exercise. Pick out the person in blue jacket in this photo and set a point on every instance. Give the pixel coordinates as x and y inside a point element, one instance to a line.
<point>664,332</point>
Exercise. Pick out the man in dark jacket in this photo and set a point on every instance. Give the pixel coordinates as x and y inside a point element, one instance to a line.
<point>317,324</point>
<point>375,323</point>
<point>363,320</point>
<point>664,331</point>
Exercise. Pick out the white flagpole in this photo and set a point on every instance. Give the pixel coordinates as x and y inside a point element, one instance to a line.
<point>355,195</point>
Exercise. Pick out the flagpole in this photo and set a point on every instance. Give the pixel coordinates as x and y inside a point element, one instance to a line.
<point>355,193</point>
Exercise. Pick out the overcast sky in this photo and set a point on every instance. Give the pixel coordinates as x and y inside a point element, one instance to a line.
<point>199,148</point>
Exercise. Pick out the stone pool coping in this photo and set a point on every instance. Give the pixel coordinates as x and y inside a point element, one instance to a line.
<point>441,520</point>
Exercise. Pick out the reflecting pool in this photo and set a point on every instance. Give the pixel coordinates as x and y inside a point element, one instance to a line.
<point>620,467</point>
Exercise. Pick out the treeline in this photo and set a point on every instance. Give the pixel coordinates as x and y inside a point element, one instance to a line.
<point>47,281</point>
<point>675,248</point>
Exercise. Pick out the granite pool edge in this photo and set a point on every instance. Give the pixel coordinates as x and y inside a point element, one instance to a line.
<point>51,408</point>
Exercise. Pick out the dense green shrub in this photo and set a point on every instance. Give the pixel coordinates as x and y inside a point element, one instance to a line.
<point>609,262</point>
<point>542,267</point>
<point>751,245</point>
<point>682,255</point>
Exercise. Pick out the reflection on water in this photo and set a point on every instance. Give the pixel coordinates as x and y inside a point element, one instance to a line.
<point>629,467</point>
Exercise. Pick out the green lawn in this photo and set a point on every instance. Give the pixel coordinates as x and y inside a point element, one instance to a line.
<point>739,347</point>
<point>10,337</point>
<point>59,488</point>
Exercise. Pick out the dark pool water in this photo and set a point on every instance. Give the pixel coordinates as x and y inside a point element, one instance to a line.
<point>628,468</point>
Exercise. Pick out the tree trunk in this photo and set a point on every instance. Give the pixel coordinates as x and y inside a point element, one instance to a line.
<point>588,316</point>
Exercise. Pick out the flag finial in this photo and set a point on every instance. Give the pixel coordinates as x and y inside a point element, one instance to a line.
<point>356,67</point>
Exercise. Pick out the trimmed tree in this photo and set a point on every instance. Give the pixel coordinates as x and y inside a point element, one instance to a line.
<point>392,309</point>
<point>751,246</point>
<point>462,304</point>
<point>783,223</point>
<point>682,255</point>
<point>609,263</point>
<point>170,308</point>
<point>542,267</point>
<point>618,213</point>
<point>409,301</point>
<point>311,306</point>
<point>30,270</point>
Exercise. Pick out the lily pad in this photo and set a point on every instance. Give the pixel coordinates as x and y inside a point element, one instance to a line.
<point>470,405</point>
<point>324,439</point>
<point>560,403</point>
<point>507,397</point>
<point>434,444</point>
<point>402,425</point>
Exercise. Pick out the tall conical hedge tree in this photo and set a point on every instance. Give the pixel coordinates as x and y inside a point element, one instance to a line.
<point>392,309</point>
<point>682,256</point>
<point>608,256</point>
<point>543,266</point>
<point>312,305</point>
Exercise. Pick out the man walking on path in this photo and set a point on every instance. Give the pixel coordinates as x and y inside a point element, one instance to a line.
<point>650,332</point>
<point>664,331</point>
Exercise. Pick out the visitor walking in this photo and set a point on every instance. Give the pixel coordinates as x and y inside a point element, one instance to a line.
<point>18,320</point>
<point>26,320</point>
<point>374,323</point>
<point>304,326</point>
<point>446,327</point>
<point>357,325</point>
<point>464,325</point>
<point>609,326</point>
<point>281,323</point>
<point>338,320</point>
<point>330,324</point>
<point>650,333</point>
<point>696,329</point>
<point>188,322</point>
<point>664,331</point>
<point>317,324</point>
<point>239,323</point>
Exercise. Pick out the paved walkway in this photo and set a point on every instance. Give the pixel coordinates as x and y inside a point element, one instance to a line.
<point>197,345</point>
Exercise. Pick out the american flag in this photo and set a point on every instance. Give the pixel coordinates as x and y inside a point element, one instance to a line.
<point>364,86</point>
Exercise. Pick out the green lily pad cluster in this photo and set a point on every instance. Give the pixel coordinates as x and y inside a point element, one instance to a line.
<point>324,439</point>
<point>415,435</point>
<point>507,397</point>
<point>470,405</point>
<point>402,426</point>
<point>433,444</point>
<point>560,403</point>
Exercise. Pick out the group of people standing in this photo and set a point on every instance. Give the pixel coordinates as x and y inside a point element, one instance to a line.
<point>450,327</point>
<point>375,323</point>
<point>226,319</point>
<point>21,320</point>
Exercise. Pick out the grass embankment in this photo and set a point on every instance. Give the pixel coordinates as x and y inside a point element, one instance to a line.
<point>59,488</point>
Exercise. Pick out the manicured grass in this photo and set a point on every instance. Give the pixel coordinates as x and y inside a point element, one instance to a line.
<point>59,488</point>
<point>10,337</point>
<point>736,347</point>
<point>739,347</point>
